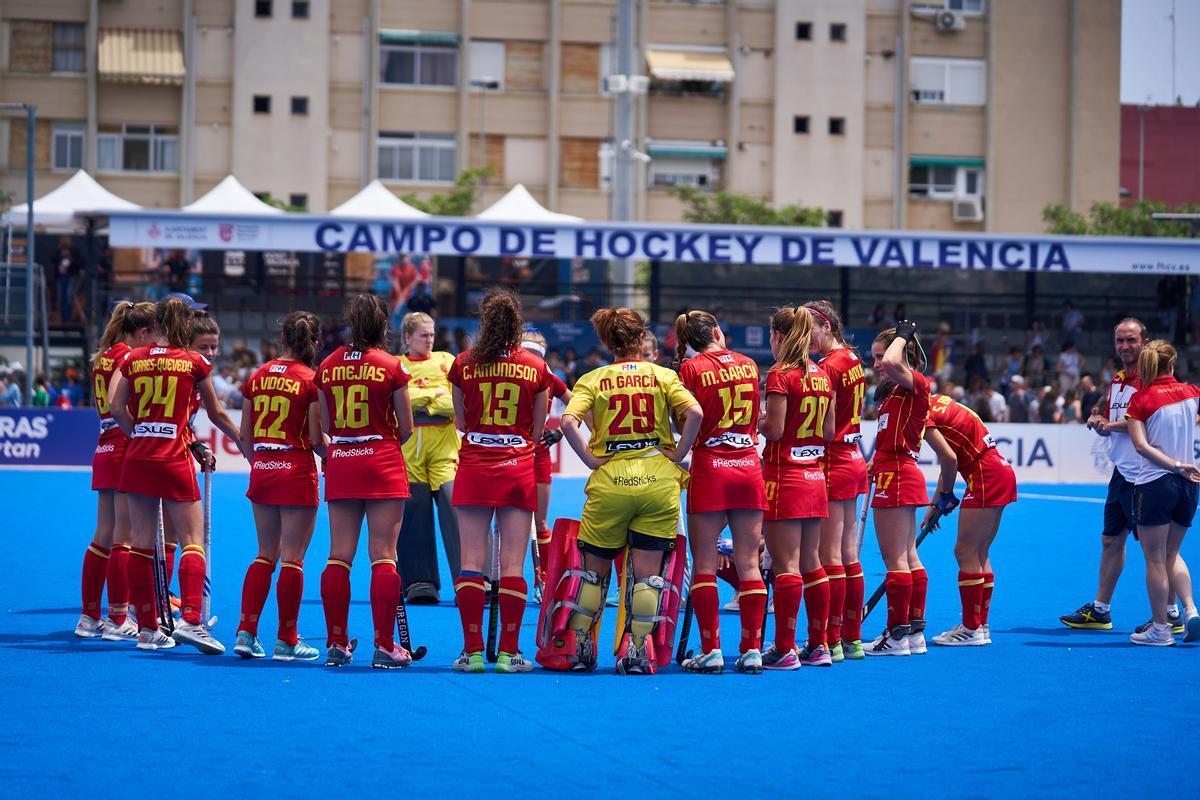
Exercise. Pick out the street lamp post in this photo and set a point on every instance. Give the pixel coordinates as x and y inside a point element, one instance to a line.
<point>484,85</point>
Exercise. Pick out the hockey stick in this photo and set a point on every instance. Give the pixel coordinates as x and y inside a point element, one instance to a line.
<point>162,589</point>
<point>862,517</point>
<point>206,602</point>
<point>681,652</point>
<point>494,598</point>
<point>925,531</point>
<point>538,579</point>
<point>405,635</point>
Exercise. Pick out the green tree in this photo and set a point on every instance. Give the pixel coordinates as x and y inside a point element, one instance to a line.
<point>459,200</point>
<point>1107,219</point>
<point>735,209</point>
<point>277,203</point>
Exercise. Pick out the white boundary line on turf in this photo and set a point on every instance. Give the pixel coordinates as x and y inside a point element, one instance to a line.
<point>1070,498</point>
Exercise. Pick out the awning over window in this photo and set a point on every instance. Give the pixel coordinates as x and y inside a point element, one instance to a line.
<point>945,161</point>
<point>668,149</point>
<point>688,65</point>
<point>131,55</point>
<point>398,36</point>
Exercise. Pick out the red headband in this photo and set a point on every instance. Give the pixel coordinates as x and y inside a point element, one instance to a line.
<point>819,314</point>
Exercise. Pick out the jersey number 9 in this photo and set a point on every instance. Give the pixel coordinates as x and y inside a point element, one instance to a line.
<point>100,392</point>
<point>500,403</point>
<point>279,405</point>
<point>349,406</point>
<point>156,390</point>
<point>632,413</point>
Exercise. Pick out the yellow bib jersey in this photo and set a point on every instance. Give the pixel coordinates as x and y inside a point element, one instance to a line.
<point>432,452</point>
<point>638,489</point>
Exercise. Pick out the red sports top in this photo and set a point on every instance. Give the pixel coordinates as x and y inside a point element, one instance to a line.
<point>1168,410</point>
<point>498,403</point>
<point>358,387</point>
<point>808,397</point>
<point>280,393</point>
<point>902,417</point>
<point>726,386</point>
<point>962,428</point>
<point>557,389</point>
<point>110,361</point>
<point>845,371</point>
<point>161,382</point>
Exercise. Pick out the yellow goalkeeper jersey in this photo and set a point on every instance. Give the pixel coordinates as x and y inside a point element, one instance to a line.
<point>430,407</point>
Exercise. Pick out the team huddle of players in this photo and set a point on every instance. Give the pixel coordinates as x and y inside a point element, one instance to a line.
<point>472,428</point>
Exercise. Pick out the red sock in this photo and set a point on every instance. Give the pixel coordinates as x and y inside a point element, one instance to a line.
<point>853,606</point>
<point>468,591</point>
<point>513,593</point>
<point>985,603</point>
<point>169,554</point>
<point>899,597</point>
<point>288,591</point>
<point>191,582</point>
<point>816,601</point>
<point>730,576</point>
<point>95,567</point>
<point>255,589</point>
<point>335,597</point>
<point>920,588</point>
<point>117,578</point>
<point>142,588</point>
<point>837,603</point>
<point>752,599</point>
<point>707,606</point>
<point>385,597</point>
<point>970,591</point>
<point>789,588</point>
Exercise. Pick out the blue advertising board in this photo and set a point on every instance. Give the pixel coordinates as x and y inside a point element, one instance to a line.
<point>48,437</point>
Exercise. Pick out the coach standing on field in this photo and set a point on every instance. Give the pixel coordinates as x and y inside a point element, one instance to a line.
<point>1108,419</point>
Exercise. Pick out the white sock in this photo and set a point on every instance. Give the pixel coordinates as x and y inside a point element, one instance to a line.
<point>1189,612</point>
<point>1101,607</point>
<point>1173,610</point>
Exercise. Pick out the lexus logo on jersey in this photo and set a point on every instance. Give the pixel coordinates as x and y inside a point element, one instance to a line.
<point>226,231</point>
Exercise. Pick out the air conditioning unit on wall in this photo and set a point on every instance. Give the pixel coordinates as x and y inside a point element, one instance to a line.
<point>948,21</point>
<point>967,209</point>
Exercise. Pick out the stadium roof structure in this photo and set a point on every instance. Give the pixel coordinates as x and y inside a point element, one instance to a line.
<point>519,206</point>
<point>230,197</point>
<point>376,201</point>
<point>60,207</point>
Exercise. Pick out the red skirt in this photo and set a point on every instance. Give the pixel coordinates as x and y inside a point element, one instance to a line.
<point>173,479</point>
<point>542,464</point>
<point>284,478</point>
<point>372,470</point>
<point>899,482</point>
<point>845,472</point>
<point>991,482</point>
<point>510,483</point>
<point>107,460</point>
<point>795,491</point>
<point>724,481</point>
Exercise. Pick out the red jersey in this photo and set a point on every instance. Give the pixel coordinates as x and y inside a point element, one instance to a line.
<point>845,372</point>
<point>280,393</point>
<point>902,417</point>
<point>557,389</point>
<point>962,428</point>
<point>498,403</point>
<point>726,386</point>
<point>808,397</point>
<point>110,361</point>
<point>358,387</point>
<point>161,381</point>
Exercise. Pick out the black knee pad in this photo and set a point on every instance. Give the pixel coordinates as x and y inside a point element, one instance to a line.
<point>608,553</point>
<point>642,541</point>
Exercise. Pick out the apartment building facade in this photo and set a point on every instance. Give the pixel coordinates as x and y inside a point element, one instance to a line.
<point>967,114</point>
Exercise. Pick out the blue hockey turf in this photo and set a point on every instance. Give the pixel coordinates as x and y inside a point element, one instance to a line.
<point>1045,711</point>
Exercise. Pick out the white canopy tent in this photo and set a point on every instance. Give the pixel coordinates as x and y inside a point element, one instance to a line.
<point>519,206</point>
<point>58,208</point>
<point>230,197</point>
<point>376,201</point>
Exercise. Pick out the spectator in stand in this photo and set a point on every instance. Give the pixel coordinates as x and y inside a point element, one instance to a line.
<point>974,394</point>
<point>555,362</point>
<point>1035,336</point>
<point>41,392</point>
<point>877,319</point>
<point>593,360</point>
<point>441,339</point>
<point>10,389</point>
<point>900,314</point>
<point>421,299</point>
<point>1035,366</point>
<point>1089,395</point>
<point>1068,367</point>
<point>571,360</point>
<point>69,267</point>
<point>941,353</point>
<point>1072,320</point>
<point>1020,400</point>
<point>1050,405</point>
<point>72,389</point>
<point>1109,370</point>
<point>976,364</point>
<point>1072,413</point>
<point>178,269</point>
<point>1009,367</point>
<point>997,408</point>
